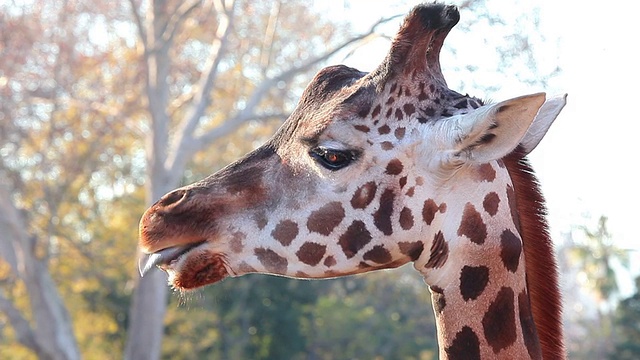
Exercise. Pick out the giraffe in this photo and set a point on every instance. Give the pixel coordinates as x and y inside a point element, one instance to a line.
<point>375,170</point>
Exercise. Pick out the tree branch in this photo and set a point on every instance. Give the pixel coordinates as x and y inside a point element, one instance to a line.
<point>177,18</point>
<point>248,112</point>
<point>21,327</point>
<point>138,20</point>
<point>232,124</point>
<point>10,226</point>
<point>202,97</point>
<point>186,145</point>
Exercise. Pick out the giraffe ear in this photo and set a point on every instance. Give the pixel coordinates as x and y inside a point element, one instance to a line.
<point>543,120</point>
<point>493,131</point>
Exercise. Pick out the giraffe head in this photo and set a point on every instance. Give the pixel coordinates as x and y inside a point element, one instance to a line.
<point>360,177</point>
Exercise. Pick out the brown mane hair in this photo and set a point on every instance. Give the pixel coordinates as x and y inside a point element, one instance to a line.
<point>541,267</point>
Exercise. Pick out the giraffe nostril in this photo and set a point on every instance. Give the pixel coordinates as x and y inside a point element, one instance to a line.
<point>173,198</point>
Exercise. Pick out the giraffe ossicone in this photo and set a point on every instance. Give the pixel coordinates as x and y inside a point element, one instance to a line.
<point>376,170</point>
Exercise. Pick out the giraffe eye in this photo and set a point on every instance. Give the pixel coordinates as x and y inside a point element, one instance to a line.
<point>332,159</point>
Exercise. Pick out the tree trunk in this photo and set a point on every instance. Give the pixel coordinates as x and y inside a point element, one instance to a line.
<point>52,335</point>
<point>147,317</point>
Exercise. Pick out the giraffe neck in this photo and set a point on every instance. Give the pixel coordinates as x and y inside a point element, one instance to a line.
<point>476,272</point>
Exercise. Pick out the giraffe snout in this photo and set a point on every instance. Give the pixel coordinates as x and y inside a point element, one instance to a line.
<point>173,201</point>
<point>174,220</point>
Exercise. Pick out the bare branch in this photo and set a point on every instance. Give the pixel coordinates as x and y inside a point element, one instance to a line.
<point>269,35</point>
<point>202,97</point>
<point>178,18</point>
<point>10,228</point>
<point>187,145</point>
<point>232,124</point>
<point>267,84</point>
<point>21,327</point>
<point>138,20</point>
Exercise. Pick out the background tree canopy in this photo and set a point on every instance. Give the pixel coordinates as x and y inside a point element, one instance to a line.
<point>105,106</point>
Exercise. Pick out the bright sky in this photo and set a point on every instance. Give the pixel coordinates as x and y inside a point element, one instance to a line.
<point>585,163</point>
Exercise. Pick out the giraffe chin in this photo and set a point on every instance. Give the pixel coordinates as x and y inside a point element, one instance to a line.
<point>196,269</point>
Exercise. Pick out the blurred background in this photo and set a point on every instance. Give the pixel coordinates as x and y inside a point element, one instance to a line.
<point>105,106</point>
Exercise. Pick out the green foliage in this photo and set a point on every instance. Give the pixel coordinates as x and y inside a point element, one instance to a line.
<point>627,324</point>
<point>596,257</point>
<point>382,315</point>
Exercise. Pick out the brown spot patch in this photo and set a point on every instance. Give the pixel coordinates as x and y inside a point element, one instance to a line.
<point>429,211</point>
<point>363,128</point>
<point>464,346</point>
<point>491,203</point>
<point>285,232</point>
<point>510,249</point>
<point>394,167</point>
<point>402,182</point>
<point>472,225</point>
<point>461,104</point>
<point>409,109</point>
<point>499,322</point>
<point>399,133</point>
<point>399,114</point>
<point>411,191</point>
<point>378,254</point>
<point>382,217</point>
<point>473,280</point>
<point>386,145</point>
<point>406,219</point>
<point>261,220</point>
<point>354,239</point>
<point>364,195</point>
<point>236,242</point>
<point>529,332</point>
<point>430,208</point>
<point>384,129</point>
<point>311,253</point>
<point>422,96</point>
<point>376,111</point>
<point>325,219</point>
<point>271,260</point>
<point>412,249</point>
<point>330,261</point>
<point>439,252</point>
<point>245,268</point>
<point>486,172</point>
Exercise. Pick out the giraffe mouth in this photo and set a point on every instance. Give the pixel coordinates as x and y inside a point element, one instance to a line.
<point>188,266</point>
<point>163,258</point>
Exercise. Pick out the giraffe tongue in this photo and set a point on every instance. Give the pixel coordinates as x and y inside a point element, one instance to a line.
<point>146,262</point>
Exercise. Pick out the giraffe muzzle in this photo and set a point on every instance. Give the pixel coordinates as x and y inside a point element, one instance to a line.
<point>164,257</point>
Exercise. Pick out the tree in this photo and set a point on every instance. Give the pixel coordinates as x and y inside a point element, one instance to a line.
<point>190,122</point>
<point>74,109</point>
<point>98,100</point>
<point>595,257</point>
<point>58,140</point>
<point>627,322</point>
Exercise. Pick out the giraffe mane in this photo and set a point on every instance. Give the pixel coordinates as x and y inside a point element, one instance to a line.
<point>540,264</point>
